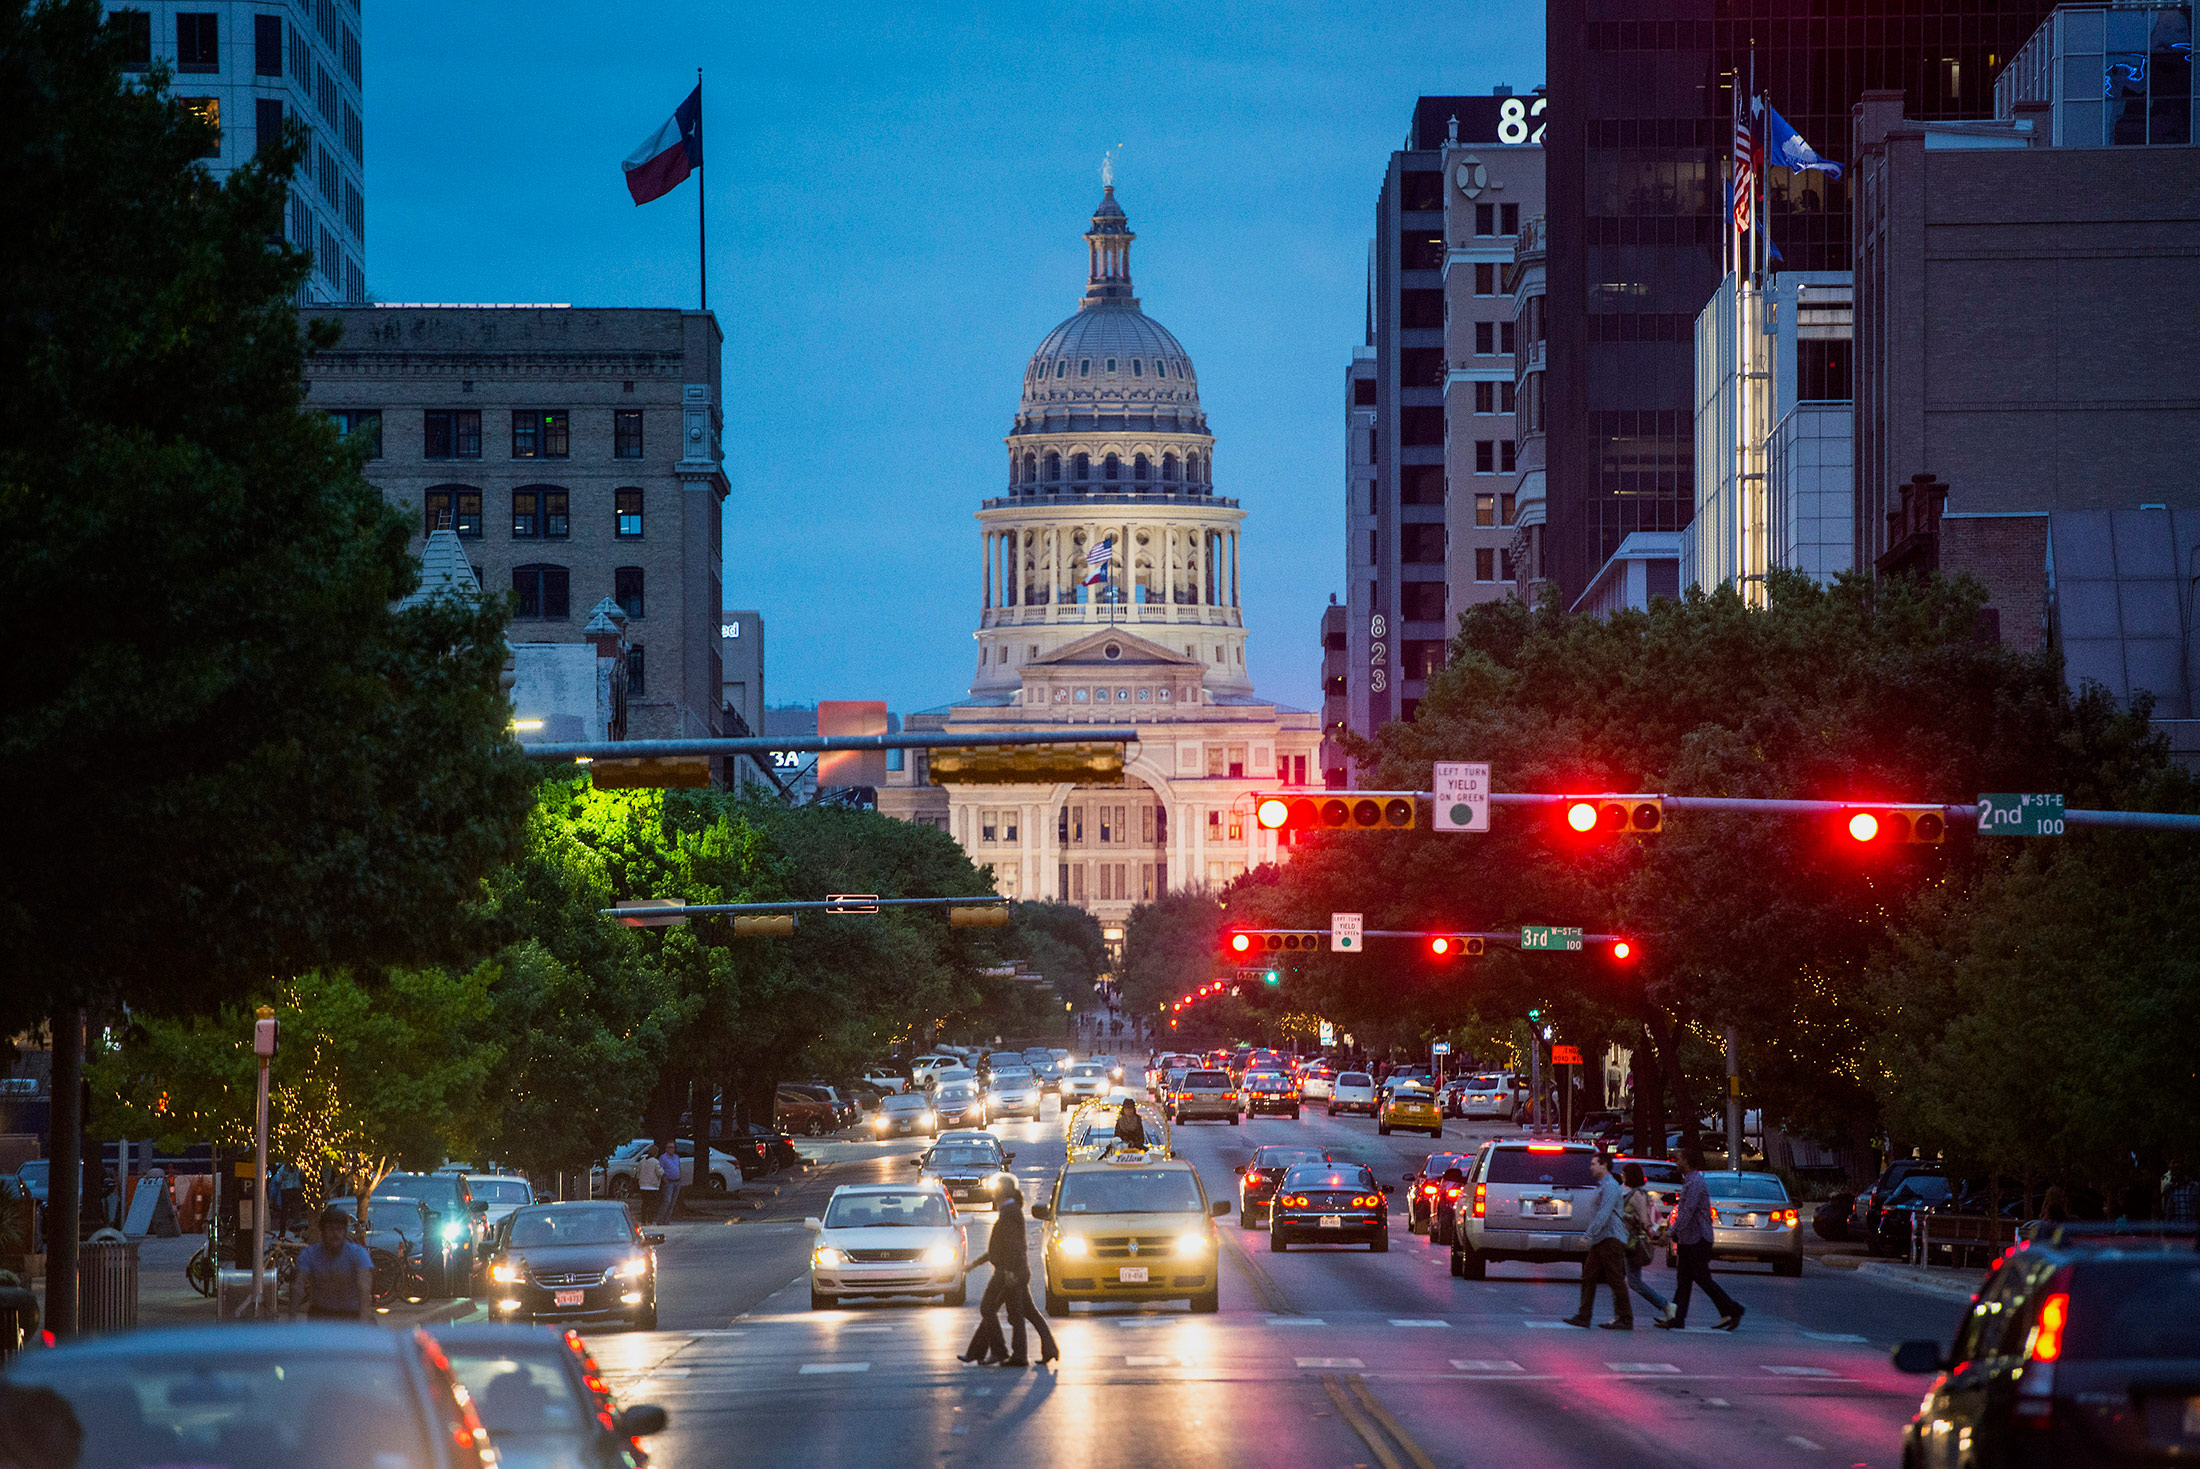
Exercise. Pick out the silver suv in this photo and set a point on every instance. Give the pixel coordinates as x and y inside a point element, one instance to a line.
<point>1204,1094</point>
<point>1523,1201</point>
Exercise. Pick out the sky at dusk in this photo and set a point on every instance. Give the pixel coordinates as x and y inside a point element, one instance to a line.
<point>897,197</point>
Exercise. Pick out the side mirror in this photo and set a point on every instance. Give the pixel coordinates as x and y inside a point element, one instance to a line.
<point>813,1223</point>
<point>1405,1178</point>
<point>1239,1170</point>
<point>653,1239</point>
<point>1220,1207</point>
<point>1008,1157</point>
<point>1919,1357</point>
<point>642,1420</point>
<point>1042,1212</point>
<point>481,1206</point>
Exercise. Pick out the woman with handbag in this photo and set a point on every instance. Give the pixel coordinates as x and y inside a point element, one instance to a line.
<point>1642,1236</point>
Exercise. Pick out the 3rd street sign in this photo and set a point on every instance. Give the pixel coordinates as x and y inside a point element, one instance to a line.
<point>1540,936</point>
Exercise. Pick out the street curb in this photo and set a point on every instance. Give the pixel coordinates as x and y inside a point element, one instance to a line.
<point>1887,1272</point>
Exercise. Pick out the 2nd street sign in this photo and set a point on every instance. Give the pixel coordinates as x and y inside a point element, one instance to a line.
<point>1462,795</point>
<point>1344,933</point>
<point>2020,816</point>
<point>1540,936</point>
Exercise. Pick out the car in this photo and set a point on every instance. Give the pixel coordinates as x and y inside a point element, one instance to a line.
<point>1157,1074</point>
<point>1085,1081</point>
<point>1420,1076</point>
<point>1316,1083</point>
<point>949,1075</point>
<point>1600,1127</point>
<point>1013,1093</point>
<point>1329,1203</point>
<point>1491,1094</point>
<point>1133,1228</point>
<point>502,1192</point>
<point>797,1110</point>
<point>905,1114</point>
<point>1895,1213</point>
<point>1864,1221</point>
<point>1752,1218</point>
<point>1661,1179</point>
<point>586,1261</point>
<point>1523,1201</point>
<point>453,1231</point>
<point>884,1080</point>
<point>1270,1093</point>
<point>274,1394</point>
<point>1111,1064</point>
<point>1258,1179</point>
<point>1425,1191</point>
<point>36,1176</point>
<point>617,1177</point>
<point>922,1069</point>
<point>1205,1093</point>
<point>1410,1107</point>
<point>887,1240</point>
<point>1033,1055</point>
<point>544,1400</point>
<point>1353,1091</point>
<point>959,1103</point>
<point>971,1170</point>
<point>2081,1347</point>
<point>1049,1074</point>
<point>754,1150</point>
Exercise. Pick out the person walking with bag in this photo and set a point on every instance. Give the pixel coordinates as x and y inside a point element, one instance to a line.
<point>1692,1240</point>
<point>1017,1290</point>
<point>1642,1236</point>
<point>1606,1261</point>
<point>649,1182</point>
<point>1005,1253</point>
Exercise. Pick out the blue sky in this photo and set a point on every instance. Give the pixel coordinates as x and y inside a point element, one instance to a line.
<point>897,197</point>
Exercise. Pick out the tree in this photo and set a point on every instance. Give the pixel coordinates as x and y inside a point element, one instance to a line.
<point>231,757</point>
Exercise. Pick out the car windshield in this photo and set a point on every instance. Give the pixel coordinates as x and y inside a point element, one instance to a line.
<point>1354,1078</point>
<point>502,1190</point>
<point>958,1092</point>
<point>538,1229</point>
<point>1206,1078</point>
<point>1287,1157</point>
<point>1329,1176</point>
<point>155,1408</point>
<point>36,1171</point>
<point>964,1157</point>
<point>520,1395</point>
<point>1764,1186</point>
<point>1267,1083</point>
<point>911,1208</point>
<point>1487,1083</point>
<point>1131,1191</point>
<point>1086,1068</point>
<point>1438,1162</point>
<point>1018,1077</point>
<point>1410,1091</point>
<point>897,1102</point>
<point>2135,1308</point>
<point>1558,1168</point>
<point>436,1193</point>
<point>1924,1187</point>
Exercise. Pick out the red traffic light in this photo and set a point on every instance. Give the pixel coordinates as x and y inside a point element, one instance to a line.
<point>1622,949</point>
<point>1582,815</point>
<point>1272,812</point>
<point>1864,826</point>
<point>1615,815</point>
<point>1241,942</point>
<point>1455,945</point>
<point>1897,826</point>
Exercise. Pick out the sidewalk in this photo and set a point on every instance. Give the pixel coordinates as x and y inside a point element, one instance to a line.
<point>1938,1280</point>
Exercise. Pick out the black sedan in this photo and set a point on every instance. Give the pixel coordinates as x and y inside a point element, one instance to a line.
<point>544,1402</point>
<point>1257,1180</point>
<point>1272,1093</point>
<point>1425,1193</point>
<point>1335,1203</point>
<point>574,1262</point>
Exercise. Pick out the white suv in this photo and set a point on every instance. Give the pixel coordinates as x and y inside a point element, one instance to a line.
<point>1490,1094</point>
<point>1523,1201</point>
<point>887,1241</point>
<point>1353,1091</point>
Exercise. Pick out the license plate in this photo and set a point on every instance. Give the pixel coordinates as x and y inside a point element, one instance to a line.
<point>1331,1221</point>
<point>1132,1275</point>
<point>1551,1207</point>
<point>568,1297</point>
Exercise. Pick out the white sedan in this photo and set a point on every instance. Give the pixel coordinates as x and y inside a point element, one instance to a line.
<point>887,1240</point>
<point>502,1192</point>
<point>1087,1081</point>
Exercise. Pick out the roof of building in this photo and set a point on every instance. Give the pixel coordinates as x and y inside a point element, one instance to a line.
<point>444,570</point>
<point>1070,368</point>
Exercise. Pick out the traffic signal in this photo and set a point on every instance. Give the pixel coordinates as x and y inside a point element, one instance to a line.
<point>1295,815</point>
<point>1888,826</point>
<point>1271,977</point>
<point>1241,943</point>
<point>1623,950</point>
<point>1455,945</point>
<point>992,915</point>
<point>1610,816</point>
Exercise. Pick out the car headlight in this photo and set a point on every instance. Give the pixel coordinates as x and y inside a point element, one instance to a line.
<point>453,1233</point>
<point>632,1269</point>
<point>880,1120</point>
<point>1192,1244</point>
<point>1073,1245</point>
<point>827,1256</point>
<point>931,1117</point>
<point>940,1255</point>
<point>504,1274</point>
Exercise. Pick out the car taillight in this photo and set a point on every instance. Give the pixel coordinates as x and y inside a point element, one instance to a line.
<point>1367,1201</point>
<point>2047,1336</point>
<point>1451,1190</point>
<point>1481,1200</point>
<point>1714,1213</point>
<point>1428,1188</point>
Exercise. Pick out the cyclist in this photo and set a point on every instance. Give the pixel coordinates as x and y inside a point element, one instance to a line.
<point>335,1276</point>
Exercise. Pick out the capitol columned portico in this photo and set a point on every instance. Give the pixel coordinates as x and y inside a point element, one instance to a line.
<point>1110,595</point>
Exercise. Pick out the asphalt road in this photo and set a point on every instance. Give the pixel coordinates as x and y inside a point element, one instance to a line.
<point>1331,1356</point>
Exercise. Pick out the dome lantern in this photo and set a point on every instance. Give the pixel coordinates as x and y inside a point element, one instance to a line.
<point>1109,239</point>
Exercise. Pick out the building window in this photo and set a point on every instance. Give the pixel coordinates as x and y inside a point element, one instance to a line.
<point>1485,456</point>
<point>626,433</point>
<point>1111,367</point>
<point>267,45</point>
<point>1080,467</point>
<point>1031,469</point>
<point>986,830</point>
<point>627,507</point>
<point>1485,219</point>
<point>1485,279</point>
<point>1168,469</point>
<point>209,111</point>
<point>1507,397</point>
<point>1505,337</point>
<point>1109,470</point>
<point>546,508</point>
<point>1084,367</point>
<point>1821,370</point>
<point>1485,397</point>
<point>1141,469</point>
<point>1077,826</point>
<point>1485,338</point>
<point>1485,564</point>
<point>540,433</point>
<point>1054,469</point>
<point>544,594</point>
<point>452,433</point>
<point>626,590</point>
<point>136,29</point>
<point>1504,565</point>
<point>198,42</point>
<point>267,123</point>
<point>1508,456</point>
<point>1508,219</point>
<point>1485,510</point>
<point>360,427</point>
<point>454,507</point>
<point>1138,368</point>
<point>637,672</point>
<point>1237,826</point>
<point>1505,508</point>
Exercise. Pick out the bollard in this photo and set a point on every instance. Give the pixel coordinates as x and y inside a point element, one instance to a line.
<point>233,1296</point>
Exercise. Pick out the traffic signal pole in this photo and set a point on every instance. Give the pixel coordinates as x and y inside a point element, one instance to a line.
<point>811,744</point>
<point>2145,820</point>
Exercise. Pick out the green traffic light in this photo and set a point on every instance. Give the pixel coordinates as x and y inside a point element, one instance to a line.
<point>1534,1015</point>
<point>1273,978</point>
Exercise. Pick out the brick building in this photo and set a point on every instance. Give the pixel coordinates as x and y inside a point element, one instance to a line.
<point>575,452</point>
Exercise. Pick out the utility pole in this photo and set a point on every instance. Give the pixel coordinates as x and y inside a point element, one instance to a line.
<point>65,1176</point>
<point>1734,1099</point>
<point>264,1036</point>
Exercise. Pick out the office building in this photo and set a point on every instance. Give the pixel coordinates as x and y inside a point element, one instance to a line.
<point>1419,485</point>
<point>1639,130</point>
<point>741,703</point>
<point>575,453</point>
<point>248,68</point>
<point>1334,767</point>
<point>1526,282</point>
<point>2027,393</point>
<point>1108,590</point>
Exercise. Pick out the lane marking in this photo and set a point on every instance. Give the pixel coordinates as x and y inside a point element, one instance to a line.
<point>1546,1325</point>
<point>1841,1336</point>
<point>1382,1416</point>
<point>852,1329</point>
<point>1294,1321</point>
<point>1718,1402</point>
<point>1801,1442</point>
<point>1410,1321</point>
<point>820,1369</point>
<point>1360,1425</point>
<point>1486,1364</point>
<point>1799,1371</point>
<point>1642,1367</point>
<point>1329,1361</point>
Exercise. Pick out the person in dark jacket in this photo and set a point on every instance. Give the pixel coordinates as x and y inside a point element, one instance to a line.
<point>1005,1253</point>
<point>1130,1128</point>
<point>1012,1268</point>
<point>1692,1238</point>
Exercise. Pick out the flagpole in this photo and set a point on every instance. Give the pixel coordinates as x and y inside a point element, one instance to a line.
<point>702,254</point>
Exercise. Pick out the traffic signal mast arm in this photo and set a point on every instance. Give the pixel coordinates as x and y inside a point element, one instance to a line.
<point>2156,820</point>
<point>804,744</point>
<point>853,903</point>
<point>1500,936</point>
<point>1303,811</point>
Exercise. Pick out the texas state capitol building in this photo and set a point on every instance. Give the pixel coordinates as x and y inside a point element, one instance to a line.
<point>1111,470</point>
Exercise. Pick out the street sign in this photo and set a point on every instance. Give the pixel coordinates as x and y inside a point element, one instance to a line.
<point>1344,933</point>
<point>1441,1048</point>
<point>2020,816</point>
<point>1541,936</point>
<point>851,902</point>
<point>1565,1055</point>
<point>1329,1034</point>
<point>1462,795</point>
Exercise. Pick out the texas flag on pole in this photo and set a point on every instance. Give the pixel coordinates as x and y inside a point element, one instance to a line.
<point>670,154</point>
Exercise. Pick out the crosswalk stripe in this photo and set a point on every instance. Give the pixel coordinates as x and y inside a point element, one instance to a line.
<point>1485,1364</point>
<point>819,1369</point>
<point>1410,1321</point>
<point>1799,1371</point>
<point>1642,1367</point>
<point>1330,1362</point>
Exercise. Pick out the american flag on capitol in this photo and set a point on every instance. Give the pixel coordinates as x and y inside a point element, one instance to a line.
<point>1098,558</point>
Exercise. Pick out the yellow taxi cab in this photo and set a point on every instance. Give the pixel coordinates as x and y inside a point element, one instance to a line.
<point>1413,1109</point>
<point>1130,1227</point>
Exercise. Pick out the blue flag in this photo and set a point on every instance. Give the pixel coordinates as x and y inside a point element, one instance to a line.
<point>1785,148</point>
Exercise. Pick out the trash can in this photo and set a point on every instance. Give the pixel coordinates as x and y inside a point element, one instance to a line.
<point>233,1296</point>
<point>18,1315</point>
<point>107,1282</point>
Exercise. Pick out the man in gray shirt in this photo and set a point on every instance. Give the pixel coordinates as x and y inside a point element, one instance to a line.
<point>1692,1237</point>
<point>1607,1257</point>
